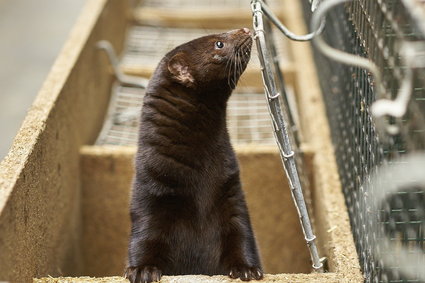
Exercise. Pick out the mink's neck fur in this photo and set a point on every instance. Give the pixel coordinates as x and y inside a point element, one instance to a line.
<point>186,136</point>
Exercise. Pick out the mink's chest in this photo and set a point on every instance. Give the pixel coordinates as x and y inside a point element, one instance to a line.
<point>194,236</point>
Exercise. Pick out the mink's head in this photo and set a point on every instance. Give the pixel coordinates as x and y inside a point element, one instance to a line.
<point>216,60</point>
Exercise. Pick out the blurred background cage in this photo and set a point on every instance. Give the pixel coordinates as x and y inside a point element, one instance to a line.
<point>64,197</point>
<point>377,30</point>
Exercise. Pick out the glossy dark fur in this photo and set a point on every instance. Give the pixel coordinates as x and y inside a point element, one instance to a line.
<point>188,211</point>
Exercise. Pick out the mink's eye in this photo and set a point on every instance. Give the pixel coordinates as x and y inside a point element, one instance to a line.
<point>219,44</point>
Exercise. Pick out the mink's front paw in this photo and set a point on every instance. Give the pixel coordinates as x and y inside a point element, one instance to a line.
<point>246,273</point>
<point>143,274</point>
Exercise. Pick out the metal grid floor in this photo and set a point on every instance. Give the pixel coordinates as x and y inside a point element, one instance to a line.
<point>247,118</point>
<point>147,45</point>
<point>122,120</point>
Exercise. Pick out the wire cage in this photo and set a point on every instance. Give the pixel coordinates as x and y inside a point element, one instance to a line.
<point>247,118</point>
<point>146,46</point>
<point>247,114</point>
<point>386,225</point>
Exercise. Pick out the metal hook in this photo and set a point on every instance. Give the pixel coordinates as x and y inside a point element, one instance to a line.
<point>260,7</point>
<point>410,53</point>
<point>381,107</point>
<point>126,80</point>
<point>314,4</point>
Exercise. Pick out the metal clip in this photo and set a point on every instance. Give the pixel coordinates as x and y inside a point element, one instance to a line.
<point>310,240</point>
<point>274,96</point>
<point>258,6</point>
<point>289,155</point>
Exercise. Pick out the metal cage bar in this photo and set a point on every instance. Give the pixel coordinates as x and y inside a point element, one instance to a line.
<point>274,89</point>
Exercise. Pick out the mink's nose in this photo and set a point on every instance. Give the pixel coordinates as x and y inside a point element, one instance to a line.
<point>238,31</point>
<point>246,30</point>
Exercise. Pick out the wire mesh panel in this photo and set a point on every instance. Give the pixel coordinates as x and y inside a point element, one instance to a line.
<point>122,120</point>
<point>147,45</point>
<point>247,112</point>
<point>377,30</point>
<point>247,118</point>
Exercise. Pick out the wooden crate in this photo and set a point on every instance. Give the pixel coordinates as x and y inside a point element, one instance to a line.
<point>147,45</point>
<point>64,201</point>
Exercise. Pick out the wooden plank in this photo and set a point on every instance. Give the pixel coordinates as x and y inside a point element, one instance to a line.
<point>281,278</point>
<point>107,172</point>
<point>40,216</point>
<point>333,232</point>
<point>196,18</point>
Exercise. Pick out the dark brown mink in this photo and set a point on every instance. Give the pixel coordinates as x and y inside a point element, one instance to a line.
<point>188,211</point>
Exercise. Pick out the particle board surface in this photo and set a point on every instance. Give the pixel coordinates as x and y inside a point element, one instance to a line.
<point>334,231</point>
<point>280,278</point>
<point>107,173</point>
<point>40,220</point>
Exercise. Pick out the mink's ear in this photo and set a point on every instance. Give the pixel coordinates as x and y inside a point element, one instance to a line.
<point>179,68</point>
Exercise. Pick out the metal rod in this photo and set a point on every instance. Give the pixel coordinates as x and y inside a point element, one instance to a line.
<point>124,80</point>
<point>281,130</point>
<point>280,82</point>
<point>272,17</point>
